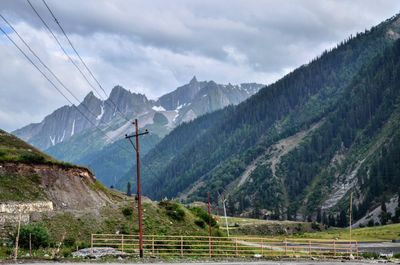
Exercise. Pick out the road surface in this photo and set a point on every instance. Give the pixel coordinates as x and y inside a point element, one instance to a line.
<point>218,263</point>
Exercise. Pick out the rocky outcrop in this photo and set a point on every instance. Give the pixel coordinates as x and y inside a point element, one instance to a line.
<point>66,188</point>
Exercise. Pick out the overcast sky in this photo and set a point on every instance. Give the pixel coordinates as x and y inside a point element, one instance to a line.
<point>152,47</point>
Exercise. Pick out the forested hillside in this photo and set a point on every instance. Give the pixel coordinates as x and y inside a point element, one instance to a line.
<point>285,151</point>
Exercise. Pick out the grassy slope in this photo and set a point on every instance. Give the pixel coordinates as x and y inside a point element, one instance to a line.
<point>12,149</point>
<point>377,233</point>
<point>282,229</point>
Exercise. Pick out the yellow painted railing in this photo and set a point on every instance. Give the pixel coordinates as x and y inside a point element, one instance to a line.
<point>161,245</point>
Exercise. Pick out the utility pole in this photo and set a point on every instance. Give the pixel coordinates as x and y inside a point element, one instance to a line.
<point>350,217</point>
<point>139,195</point>
<point>209,224</point>
<point>223,199</point>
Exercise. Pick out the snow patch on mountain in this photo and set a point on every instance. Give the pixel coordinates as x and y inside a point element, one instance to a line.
<point>52,140</point>
<point>101,113</point>
<point>158,108</point>
<point>73,128</point>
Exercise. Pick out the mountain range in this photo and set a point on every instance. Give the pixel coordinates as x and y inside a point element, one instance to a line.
<point>67,135</point>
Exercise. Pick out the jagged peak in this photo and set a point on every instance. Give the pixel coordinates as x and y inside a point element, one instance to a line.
<point>117,91</point>
<point>90,97</point>
<point>193,80</point>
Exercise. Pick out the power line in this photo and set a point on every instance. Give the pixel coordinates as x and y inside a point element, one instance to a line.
<point>49,70</point>
<point>62,48</point>
<point>80,58</point>
<point>55,86</point>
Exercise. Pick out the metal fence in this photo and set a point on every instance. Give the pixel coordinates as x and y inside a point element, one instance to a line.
<point>157,246</point>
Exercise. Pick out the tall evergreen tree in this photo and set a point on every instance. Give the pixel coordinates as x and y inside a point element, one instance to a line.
<point>319,217</point>
<point>128,189</point>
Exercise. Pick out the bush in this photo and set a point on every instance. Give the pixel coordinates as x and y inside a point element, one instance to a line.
<point>370,255</point>
<point>69,242</point>
<point>174,210</point>
<point>66,252</point>
<point>203,215</point>
<point>82,245</point>
<point>200,223</point>
<point>315,226</point>
<point>32,158</point>
<point>127,212</point>
<point>370,223</point>
<point>39,236</point>
<point>396,256</point>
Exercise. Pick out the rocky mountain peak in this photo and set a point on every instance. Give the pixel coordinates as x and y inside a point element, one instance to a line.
<point>90,99</point>
<point>118,91</point>
<point>193,80</point>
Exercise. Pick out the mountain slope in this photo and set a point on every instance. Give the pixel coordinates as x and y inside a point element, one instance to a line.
<point>66,135</point>
<point>216,158</point>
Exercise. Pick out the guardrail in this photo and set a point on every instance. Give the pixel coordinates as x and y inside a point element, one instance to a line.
<point>161,245</point>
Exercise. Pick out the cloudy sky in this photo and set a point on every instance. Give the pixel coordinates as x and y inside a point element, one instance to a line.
<point>152,47</point>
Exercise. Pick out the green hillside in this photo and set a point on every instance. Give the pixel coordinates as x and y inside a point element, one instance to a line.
<point>81,205</point>
<point>335,115</point>
<point>12,149</point>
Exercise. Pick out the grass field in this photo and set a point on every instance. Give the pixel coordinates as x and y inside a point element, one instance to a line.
<point>376,233</point>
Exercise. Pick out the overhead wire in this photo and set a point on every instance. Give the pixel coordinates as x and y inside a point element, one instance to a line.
<point>49,70</point>
<point>83,62</point>
<point>80,58</point>
<point>56,87</point>
<point>62,48</point>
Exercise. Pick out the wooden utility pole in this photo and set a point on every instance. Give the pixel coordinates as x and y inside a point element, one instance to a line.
<point>350,217</point>
<point>17,238</point>
<point>139,195</point>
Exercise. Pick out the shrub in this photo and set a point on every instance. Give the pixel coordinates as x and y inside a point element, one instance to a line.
<point>39,236</point>
<point>396,256</point>
<point>370,223</point>
<point>32,158</point>
<point>127,212</point>
<point>203,215</point>
<point>315,226</point>
<point>174,210</point>
<point>200,223</point>
<point>82,245</point>
<point>66,252</point>
<point>370,255</point>
<point>69,242</point>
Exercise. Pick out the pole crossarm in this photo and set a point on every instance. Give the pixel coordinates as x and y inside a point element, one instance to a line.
<point>135,135</point>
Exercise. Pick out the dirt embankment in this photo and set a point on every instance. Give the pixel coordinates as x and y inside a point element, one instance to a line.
<point>67,188</point>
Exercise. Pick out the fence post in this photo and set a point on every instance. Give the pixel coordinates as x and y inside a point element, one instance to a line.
<point>236,247</point>
<point>357,249</point>
<point>309,247</point>
<point>262,247</point>
<point>210,246</point>
<point>334,248</point>
<point>30,245</point>
<point>122,242</point>
<point>91,245</point>
<point>285,246</point>
<point>181,246</point>
<point>152,245</point>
